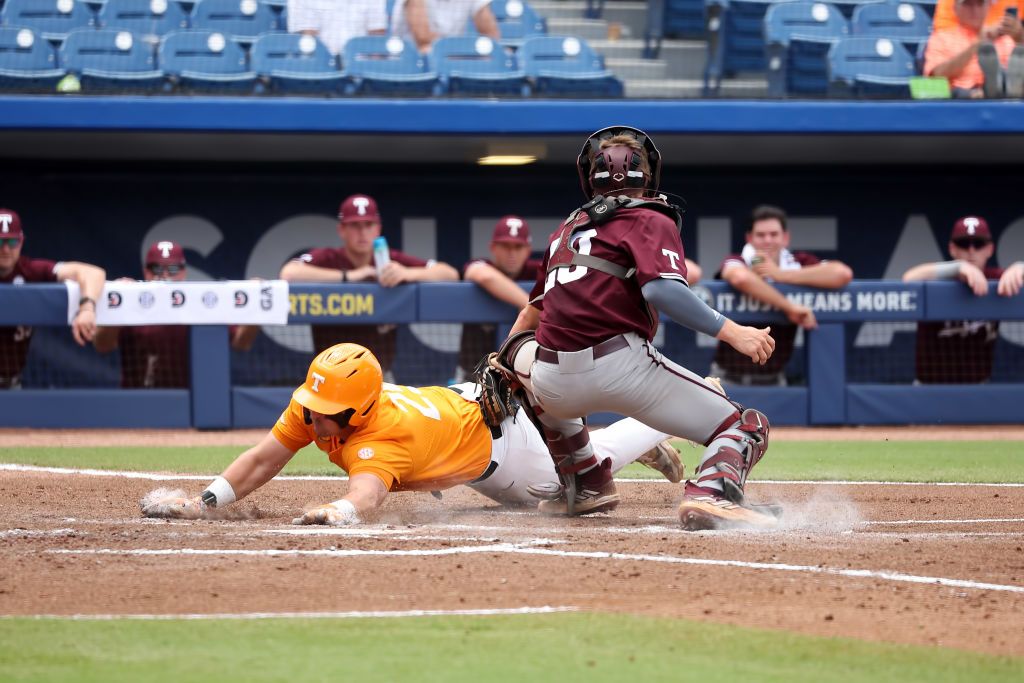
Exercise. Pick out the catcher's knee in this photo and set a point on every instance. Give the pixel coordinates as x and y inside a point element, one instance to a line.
<point>515,357</point>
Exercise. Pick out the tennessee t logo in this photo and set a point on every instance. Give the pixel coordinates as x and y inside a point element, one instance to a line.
<point>513,226</point>
<point>318,379</point>
<point>970,223</point>
<point>164,247</point>
<point>361,204</point>
<point>5,222</point>
<point>673,257</point>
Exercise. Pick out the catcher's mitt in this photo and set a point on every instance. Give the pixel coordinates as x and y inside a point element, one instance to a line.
<point>497,396</point>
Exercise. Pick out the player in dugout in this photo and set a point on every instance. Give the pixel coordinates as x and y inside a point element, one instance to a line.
<point>157,356</point>
<point>16,269</point>
<point>398,438</point>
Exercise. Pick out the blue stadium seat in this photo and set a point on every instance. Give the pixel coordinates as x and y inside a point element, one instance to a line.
<point>242,20</point>
<point>148,18</point>
<point>293,63</point>
<point>735,39</point>
<point>927,5</point>
<point>476,65</point>
<point>517,20</point>
<point>27,62</point>
<point>108,59</point>
<point>566,66</point>
<point>848,7</point>
<point>905,22</point>
<point>798,37</point>
<point>864,66</point>
<point>53,19</point>
<point>379,65</point>
<point>684,18</point>
<point>205,61</point>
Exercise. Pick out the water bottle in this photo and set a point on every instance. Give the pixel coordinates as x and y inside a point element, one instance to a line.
<point>381,255</point>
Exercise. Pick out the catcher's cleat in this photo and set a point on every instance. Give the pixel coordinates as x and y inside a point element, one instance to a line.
<point>707,509</point>
<point>594,491</point>
<point>665,459</point>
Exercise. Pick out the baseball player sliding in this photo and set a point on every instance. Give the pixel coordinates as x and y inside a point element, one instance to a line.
<point>399,438</point>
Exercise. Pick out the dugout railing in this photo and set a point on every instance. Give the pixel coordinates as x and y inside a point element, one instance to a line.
<point>826,397</point>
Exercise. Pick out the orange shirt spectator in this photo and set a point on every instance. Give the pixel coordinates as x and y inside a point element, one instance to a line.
<point>946,44</point>
<point>945,17</point>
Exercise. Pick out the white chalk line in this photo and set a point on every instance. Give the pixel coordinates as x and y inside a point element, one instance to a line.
<point>546,609</point>
<point>525,549</point>
<point>1001,520</point>
<point>157,476</point>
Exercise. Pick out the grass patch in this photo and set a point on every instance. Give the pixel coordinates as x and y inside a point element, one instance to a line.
<point>591,647</point>
<point>926,461</point>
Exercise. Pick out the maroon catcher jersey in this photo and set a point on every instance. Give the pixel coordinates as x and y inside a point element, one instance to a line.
<point>957,351</point>
<point>481,338</point>
<point>380,339</point>
<point>14,341</point>
<point>784,334</point>
<point>580,306</point>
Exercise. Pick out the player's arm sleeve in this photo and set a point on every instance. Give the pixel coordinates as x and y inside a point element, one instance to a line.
<point>673,298</point>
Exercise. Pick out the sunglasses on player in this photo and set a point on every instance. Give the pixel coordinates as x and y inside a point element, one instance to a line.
<point>10,242</point>
<point>969,242</point>
<point>170,269</point>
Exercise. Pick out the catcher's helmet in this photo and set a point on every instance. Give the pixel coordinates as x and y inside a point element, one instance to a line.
<point>344,377</point>
<point>617,168</point>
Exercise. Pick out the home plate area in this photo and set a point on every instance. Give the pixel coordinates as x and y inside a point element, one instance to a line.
<point>922,564</point>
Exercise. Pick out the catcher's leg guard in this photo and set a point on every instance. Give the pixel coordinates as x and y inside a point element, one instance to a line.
<point>515,357</point>
<point>732,453</point>
<point>586,485</point>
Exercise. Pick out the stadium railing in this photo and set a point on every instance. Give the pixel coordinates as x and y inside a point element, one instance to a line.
<point>827,397</point>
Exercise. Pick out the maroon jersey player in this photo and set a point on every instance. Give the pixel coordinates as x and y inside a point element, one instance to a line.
<point>765,261</point>
<point>359,225</point>
<point>16,269</point>
<point>961,351</point>
<point>157,356</point>
<point>612,266</point>
<point>510,262</point>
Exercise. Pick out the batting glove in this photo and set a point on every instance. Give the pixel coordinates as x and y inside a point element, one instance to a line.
<point>175,508</point>
<point>338,513</point>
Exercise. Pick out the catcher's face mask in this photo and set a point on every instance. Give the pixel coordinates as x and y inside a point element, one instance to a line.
<point>618,167</point>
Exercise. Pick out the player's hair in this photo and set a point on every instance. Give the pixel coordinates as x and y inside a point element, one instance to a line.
<point>633,144</point>
<point>766,212</point>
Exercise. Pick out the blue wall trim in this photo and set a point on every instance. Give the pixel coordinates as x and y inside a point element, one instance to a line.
<point>863,300</point>
<point>534,117</point>
<point>100,408</point>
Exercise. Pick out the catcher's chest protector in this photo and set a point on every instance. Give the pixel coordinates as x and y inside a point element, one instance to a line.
<point>592,215</point>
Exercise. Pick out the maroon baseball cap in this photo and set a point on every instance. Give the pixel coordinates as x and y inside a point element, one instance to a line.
<point>358,207</point>
<point>165,253</point>
<point>10,224</point>
<point>971,226</point>
<point>511,229</point>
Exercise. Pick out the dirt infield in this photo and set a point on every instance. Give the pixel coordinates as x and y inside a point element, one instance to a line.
<point>10,438</point>
<point>921,564</point>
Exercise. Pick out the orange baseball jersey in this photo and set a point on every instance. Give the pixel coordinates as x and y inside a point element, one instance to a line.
<point>418,439</point>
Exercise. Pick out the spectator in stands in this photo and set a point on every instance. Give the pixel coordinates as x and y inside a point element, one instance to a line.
<point>510,261</point>
<point>945,14</point>
<point>17,269</point>
<point>335,21</point>
<point>358,226</point>
<point>157,356</point>
<point>424,21</point>
<point>765,259</point>
<point>961,351</point>
<point>973,57</point>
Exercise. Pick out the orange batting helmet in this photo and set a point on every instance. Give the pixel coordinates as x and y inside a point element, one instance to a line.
<point>344,377</point>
